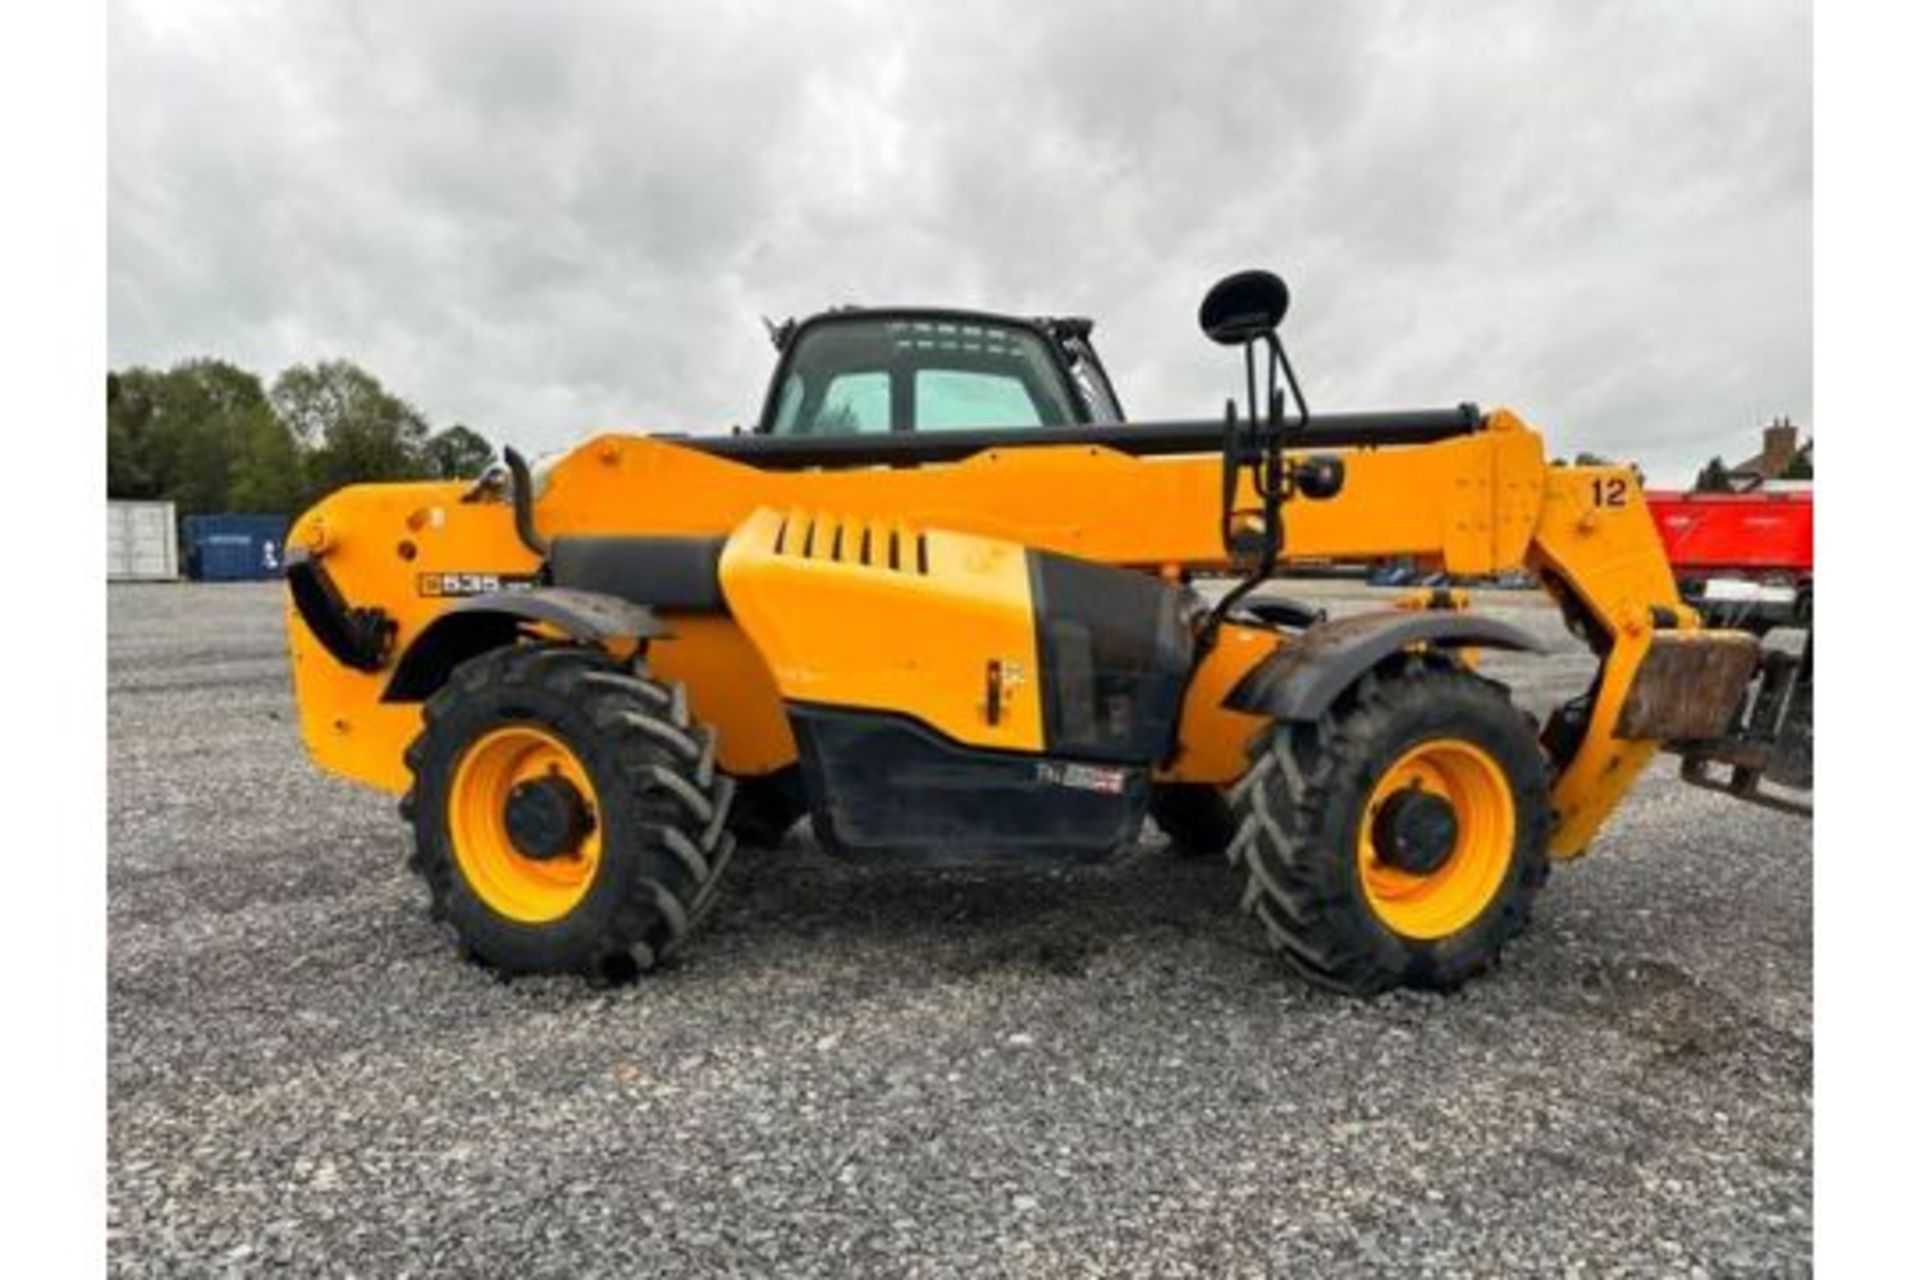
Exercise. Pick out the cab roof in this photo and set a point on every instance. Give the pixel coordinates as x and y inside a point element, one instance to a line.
<point>1056,327</point>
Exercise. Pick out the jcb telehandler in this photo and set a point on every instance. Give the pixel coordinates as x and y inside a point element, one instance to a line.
<point>939,601</point>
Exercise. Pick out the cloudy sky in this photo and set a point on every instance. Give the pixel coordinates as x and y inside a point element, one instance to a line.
<point>546,218</point>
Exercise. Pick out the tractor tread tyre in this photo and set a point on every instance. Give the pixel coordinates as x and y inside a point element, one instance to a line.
<point>662,808</point>
<point>1302,800</point>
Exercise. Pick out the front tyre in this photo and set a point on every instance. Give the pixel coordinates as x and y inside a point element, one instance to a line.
<point>567,814</point>
<point>1399,840</point>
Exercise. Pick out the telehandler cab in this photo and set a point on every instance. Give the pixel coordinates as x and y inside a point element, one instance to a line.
<point>938,601</point>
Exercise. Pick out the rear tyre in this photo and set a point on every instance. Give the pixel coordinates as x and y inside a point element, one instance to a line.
<point>1196,817</point>
<point>567,814</point>
<point>1401,839</point>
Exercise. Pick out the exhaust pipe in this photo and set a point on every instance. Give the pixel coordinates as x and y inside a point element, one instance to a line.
<point>523,503</point>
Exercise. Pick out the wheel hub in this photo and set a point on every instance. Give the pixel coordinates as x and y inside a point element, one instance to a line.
<point>1415,831</point>
<point>547,818</point>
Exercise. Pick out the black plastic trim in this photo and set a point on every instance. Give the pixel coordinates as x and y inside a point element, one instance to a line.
<point>678,574</point>
<point>1114,655</point>
<point>885,781</point>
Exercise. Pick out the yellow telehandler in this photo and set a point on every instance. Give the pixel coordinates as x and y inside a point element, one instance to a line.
<point>940,601</point>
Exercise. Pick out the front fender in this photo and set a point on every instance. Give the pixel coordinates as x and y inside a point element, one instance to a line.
<point>1302,679</point>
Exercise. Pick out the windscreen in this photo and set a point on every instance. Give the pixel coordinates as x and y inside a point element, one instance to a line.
<point>860,376</point>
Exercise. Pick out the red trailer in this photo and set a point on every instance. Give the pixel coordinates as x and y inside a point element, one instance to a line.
<point>1742,549</point>
<point>1762,534</point>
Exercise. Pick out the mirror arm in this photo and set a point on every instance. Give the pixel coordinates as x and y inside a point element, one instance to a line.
<point>1241,310</point>
<point>1293,383</point>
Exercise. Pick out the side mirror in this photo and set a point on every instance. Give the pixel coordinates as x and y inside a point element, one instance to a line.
<point>1243,307</point>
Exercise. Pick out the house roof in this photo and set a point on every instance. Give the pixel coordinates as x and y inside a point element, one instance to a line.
<point>1766,468</point>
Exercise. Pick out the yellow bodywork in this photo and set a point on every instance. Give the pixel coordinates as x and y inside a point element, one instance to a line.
<point>811,620</point>
<point>378,542</point>
<point>915,617</point>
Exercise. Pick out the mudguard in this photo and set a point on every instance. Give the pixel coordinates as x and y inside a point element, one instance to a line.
<point>1301,679</point>
<point>479,623</point>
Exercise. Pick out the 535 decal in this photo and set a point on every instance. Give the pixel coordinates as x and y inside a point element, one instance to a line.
<point>474,584</point>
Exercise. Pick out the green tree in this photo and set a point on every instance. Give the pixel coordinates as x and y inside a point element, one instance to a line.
<point>266,470</point>
<point>458,453</point>
<point>177,434</point>
<point>130,397</point>
<point>1801,468</point>
<point>354,429</point>
<point>1713,478</point>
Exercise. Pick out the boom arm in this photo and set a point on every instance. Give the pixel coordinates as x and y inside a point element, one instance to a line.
<point>1595,546</point>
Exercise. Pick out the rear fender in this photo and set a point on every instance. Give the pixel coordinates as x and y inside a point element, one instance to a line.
<point>479,623</point>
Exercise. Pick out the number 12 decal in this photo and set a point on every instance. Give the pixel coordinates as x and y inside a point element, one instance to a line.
<point>1610,492</point>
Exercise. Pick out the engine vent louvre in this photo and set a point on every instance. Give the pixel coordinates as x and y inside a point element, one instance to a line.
<point>889,545</point>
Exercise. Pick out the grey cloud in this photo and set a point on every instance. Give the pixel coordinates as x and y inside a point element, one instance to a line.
<point>545,219</point>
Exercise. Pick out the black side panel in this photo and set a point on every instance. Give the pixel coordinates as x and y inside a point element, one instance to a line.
<point>890,782</point>
<point>1114,654</point>
<point>677,574</point>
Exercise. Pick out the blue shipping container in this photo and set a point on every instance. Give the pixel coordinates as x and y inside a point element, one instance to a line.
<point>233,548</point>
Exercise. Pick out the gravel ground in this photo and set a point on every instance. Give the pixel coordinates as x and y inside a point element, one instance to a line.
<point>866,1069</point>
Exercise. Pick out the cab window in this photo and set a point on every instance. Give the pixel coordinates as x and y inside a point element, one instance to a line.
<point>955,398</point>
<point>857,376</point>
<point>854,402</point>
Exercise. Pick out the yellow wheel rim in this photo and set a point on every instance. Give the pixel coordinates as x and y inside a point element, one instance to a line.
<point>1452,895</point>
<point>531,890</point>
